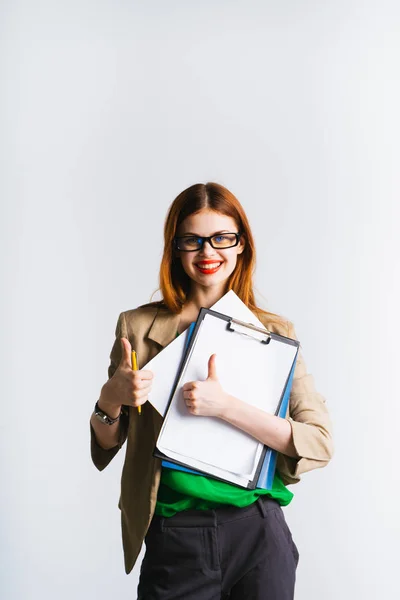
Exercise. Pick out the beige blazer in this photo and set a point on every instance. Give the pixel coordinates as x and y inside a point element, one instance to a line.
<point>149,329</point>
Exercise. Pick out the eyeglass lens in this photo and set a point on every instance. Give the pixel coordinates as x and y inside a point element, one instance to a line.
<point>225,240</point>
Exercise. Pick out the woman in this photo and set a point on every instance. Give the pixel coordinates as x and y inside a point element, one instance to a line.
<point>205,539</point>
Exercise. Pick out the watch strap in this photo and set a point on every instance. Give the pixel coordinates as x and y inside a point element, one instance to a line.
<point>104,417</point>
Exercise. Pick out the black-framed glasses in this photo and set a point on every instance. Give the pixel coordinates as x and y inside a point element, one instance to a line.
<point>191,243</point>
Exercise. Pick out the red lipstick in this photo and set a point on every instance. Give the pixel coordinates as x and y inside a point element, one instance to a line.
<point>208,271</point>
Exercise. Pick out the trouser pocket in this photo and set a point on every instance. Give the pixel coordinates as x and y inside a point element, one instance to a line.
<point>280,518</point>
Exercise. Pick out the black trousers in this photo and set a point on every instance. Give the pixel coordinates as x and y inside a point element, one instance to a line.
<point>236,553</point>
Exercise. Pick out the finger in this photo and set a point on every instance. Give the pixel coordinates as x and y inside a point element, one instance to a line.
<point>139,384</point>
<point>139,394</point>
<point>145,374</point>
<point>126,352</point>
<point>212,367</point>
<point>192,407</point>
<point>190,385</point>
<point>138,379</point>
<point>139,401</point>
<point>189,395</point>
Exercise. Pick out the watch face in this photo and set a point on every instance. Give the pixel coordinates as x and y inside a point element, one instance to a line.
<point>102,417</point>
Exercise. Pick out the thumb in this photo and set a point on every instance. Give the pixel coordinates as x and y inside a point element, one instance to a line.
<point>212,367</point>
<point>126,358</point>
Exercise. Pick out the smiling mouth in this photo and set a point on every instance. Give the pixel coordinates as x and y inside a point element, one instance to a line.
<point>208,267</point>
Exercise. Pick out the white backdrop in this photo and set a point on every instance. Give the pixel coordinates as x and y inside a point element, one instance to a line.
<point>108,111</point>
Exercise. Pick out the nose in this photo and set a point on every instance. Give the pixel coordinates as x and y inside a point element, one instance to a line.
<point>207,249</point>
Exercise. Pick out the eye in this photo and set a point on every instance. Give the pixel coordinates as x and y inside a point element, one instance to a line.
<point>220,238</point>
<point>190,242</point>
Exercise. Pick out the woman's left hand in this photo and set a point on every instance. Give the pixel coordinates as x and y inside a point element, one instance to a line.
<point>206,398</point>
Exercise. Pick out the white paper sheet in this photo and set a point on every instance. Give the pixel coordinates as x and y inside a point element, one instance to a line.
<point>247,369</point>
<point>198,465</point>
<point>165,367</point>
<point>166,363</point>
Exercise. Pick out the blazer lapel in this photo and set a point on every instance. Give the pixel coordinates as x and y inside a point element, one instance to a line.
<point>164,327</point>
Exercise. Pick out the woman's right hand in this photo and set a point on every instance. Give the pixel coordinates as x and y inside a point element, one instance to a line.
<point>126,387</point>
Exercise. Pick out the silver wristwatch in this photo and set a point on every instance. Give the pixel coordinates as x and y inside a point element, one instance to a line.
<point>103,417</point>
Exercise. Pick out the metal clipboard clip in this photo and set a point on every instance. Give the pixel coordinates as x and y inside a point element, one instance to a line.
<point>263,335</point>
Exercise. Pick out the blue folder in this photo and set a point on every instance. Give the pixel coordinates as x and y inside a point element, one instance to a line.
<point>267,472</point>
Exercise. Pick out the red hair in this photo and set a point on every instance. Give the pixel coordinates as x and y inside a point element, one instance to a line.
<point>174,282</point>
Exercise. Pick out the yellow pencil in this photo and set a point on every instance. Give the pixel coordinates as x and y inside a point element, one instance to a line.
<point>135,368</point>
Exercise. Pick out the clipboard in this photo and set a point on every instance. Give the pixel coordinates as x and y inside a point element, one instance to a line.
<point>188,442</point>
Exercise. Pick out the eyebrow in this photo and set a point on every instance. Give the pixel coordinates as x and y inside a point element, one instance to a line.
<point>198,235</point>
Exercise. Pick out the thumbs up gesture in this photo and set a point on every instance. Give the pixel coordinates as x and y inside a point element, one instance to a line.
<point>127,387</point>
<point>206,398</point>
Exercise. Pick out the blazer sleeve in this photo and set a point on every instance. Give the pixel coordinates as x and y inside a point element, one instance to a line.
<point>310,422</point>
<point>100,456</point>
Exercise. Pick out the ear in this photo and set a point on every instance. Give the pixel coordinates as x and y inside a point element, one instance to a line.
<point>175,253</point>
<point>241,244</point>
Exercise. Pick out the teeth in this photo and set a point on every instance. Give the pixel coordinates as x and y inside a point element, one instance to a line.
<point>209,266</point>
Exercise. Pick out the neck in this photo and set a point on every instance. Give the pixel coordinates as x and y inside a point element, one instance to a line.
<point>205,297</point>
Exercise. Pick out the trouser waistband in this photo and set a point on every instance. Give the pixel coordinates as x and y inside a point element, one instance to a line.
<point>216,516</point>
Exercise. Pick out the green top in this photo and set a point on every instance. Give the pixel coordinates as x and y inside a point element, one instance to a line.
<point>182,491</point>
